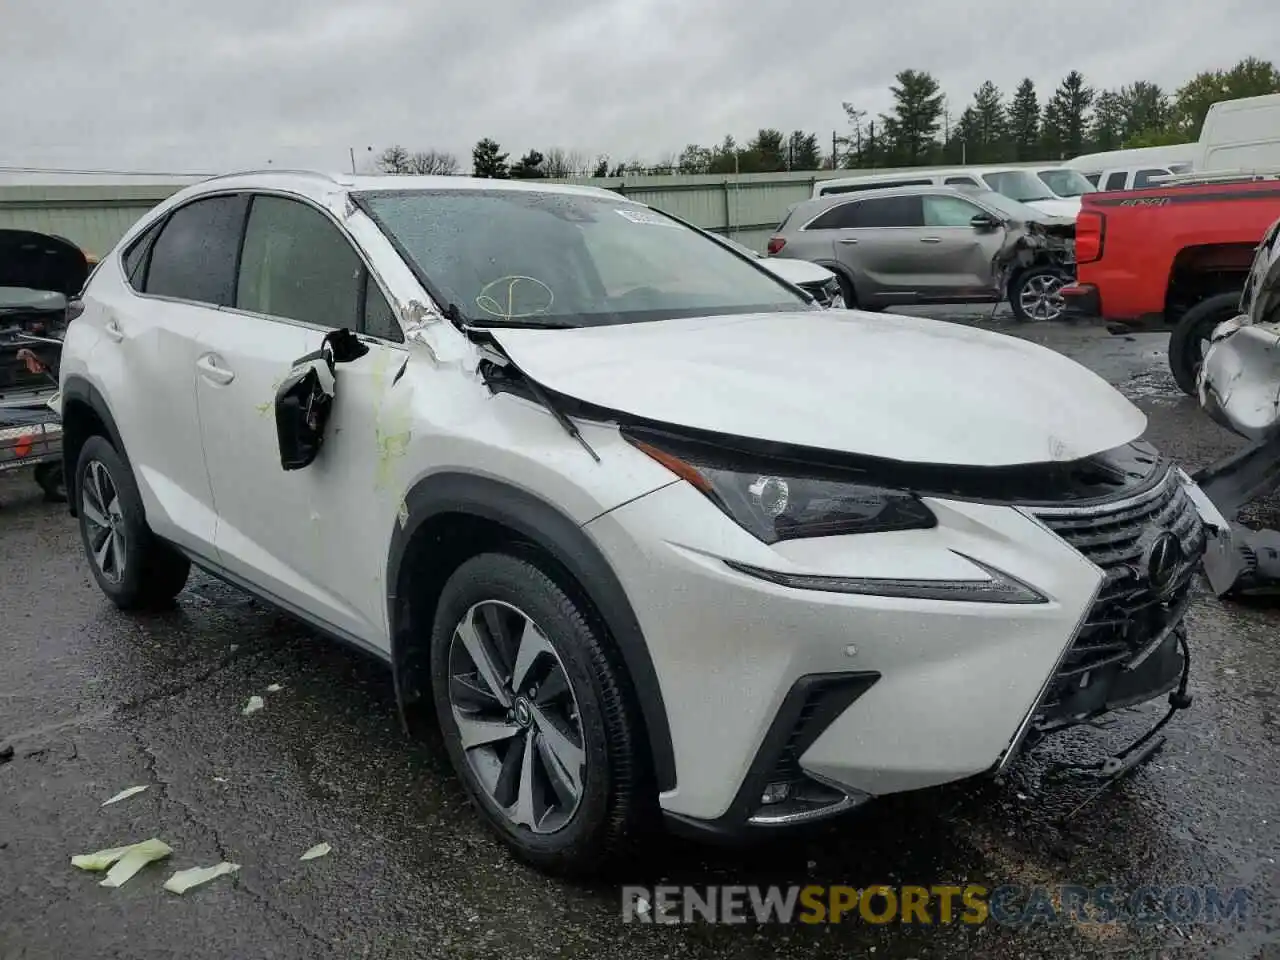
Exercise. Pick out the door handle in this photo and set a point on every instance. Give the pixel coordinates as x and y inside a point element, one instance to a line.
<point>930,239</point>
<point>848,240</point>
<point>112,329</point>
<point>209,368</point>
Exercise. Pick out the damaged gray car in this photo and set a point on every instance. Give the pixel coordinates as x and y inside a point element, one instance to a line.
<point>1239,378</point>
<point>932,244</point>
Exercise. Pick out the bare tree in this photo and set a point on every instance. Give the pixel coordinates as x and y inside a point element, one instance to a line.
<point>556,164</point>
<point>394,159</point>
<point>433,162</point>
<point>580,164</point>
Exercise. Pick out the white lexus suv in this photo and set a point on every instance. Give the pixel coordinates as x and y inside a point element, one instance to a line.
<point>641,527</point>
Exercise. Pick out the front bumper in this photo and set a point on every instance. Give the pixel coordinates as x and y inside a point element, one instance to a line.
<point>845,697</point>
<point>1082,299</point>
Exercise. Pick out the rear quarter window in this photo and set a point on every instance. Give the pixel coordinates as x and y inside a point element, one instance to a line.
<point>194,257</point>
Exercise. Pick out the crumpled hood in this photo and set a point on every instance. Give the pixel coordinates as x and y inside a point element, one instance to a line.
<point>881,385</point>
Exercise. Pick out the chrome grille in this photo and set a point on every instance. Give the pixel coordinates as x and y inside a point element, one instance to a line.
<point>1128,615</point>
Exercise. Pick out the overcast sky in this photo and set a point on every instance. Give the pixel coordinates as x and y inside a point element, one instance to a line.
<point>179,85</point>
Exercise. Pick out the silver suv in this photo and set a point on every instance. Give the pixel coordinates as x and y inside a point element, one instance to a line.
<point>933,244</point>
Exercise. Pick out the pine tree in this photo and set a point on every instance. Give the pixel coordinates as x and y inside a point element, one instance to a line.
<point>991,125</point>
<point>1110,118</point>
<point>1066,117</point>
<point>488,160</point>
<point>1024,122</point>
<point>912,128</point>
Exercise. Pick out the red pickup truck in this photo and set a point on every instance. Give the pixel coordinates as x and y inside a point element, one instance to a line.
<point>1172,257</point>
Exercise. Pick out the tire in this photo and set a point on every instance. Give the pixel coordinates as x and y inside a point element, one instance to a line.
<point>49,477</point>
<point>573,836</point>
<point>1034,296</point>
<point>1186,339</point>
<point>133,567</point>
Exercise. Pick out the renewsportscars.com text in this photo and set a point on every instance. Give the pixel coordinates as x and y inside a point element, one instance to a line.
<point>1007,905</point>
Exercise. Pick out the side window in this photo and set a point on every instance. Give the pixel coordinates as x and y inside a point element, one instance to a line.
<point>135,259</point>
<point>961,182</point>
<point>1143,177</point>
<point>1116,181</point>
<point>378,318</point>
<point>891,212</point>
<point>941,211</point>
<point>194,258</point>
<point>298,266</point>
<point>837,218</point>
<point>1093,178</point>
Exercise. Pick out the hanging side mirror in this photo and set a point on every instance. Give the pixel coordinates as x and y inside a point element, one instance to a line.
<point>305,398</point>
<point>984,223</point>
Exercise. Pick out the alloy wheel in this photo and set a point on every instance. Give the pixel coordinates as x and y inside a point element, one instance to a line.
<point>517,717</point>
<point>104,521</point>
<point>1041,297</point>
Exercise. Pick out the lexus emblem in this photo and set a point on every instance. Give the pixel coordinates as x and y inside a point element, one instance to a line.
<point>1162,562</point>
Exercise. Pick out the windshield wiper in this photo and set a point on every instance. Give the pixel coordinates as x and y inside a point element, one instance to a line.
<point>491,344</point>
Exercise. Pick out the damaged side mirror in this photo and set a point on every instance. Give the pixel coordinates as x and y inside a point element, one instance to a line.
<point>984,222</point>
<point>304,399</point>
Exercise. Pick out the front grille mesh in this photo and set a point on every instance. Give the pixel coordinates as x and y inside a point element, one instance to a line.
<point>1128,614</point>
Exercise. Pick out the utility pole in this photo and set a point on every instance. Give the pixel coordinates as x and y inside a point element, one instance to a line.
<point>835,151</point>
<point>351,151</point>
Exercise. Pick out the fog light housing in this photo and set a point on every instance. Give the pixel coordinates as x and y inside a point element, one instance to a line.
<point>775,793</point>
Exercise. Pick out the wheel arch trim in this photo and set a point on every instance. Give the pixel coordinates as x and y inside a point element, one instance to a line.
<point>570,546</point>
<point>76,389</point>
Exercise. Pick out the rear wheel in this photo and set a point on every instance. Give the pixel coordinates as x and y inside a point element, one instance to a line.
<point>1036,294</point>
<point>1190,338</point>
<point>132,566</point>
<point>534,715</point>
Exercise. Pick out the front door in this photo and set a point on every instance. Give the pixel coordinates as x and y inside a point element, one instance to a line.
<point>961,257</point>
<point>316,538</point>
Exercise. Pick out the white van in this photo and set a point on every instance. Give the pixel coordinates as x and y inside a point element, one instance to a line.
<point>1241,135</point>
<point>1016,183</point>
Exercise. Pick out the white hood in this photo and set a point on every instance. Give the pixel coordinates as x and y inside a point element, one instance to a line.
<point>796,271</point>
<point>901,388</point>
<point>1061,207</point>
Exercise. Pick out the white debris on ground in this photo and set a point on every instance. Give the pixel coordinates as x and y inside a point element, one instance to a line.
<point>319,850</point>
<point>124,795</point>
<point>274,688</point>
<point>184,880</point>
<point>124,861</point>
<point>255,704</point>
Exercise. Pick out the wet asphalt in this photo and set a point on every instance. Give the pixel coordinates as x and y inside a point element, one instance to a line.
<point>93,701</point>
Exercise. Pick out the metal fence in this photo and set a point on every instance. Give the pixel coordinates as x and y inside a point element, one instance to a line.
<point>747,207</point>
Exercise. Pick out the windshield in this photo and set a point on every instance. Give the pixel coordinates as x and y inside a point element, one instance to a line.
<point>1067,183</point>
<point>1021,185</point>
<point>1010,208</point>
<point>535,258</point>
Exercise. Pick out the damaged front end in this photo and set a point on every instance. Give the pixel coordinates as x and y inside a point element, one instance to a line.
<point>1239,378</point>
<point>1048,242</point>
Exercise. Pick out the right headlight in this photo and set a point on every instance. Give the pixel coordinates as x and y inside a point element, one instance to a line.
<point>775,506</point>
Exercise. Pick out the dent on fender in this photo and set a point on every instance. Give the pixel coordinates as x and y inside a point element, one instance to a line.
<point>1239,379</point>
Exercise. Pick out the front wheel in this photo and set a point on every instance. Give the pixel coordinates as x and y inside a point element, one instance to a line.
<point>1190,338</point>
<point>1036,294</point>
<point>535,717</point>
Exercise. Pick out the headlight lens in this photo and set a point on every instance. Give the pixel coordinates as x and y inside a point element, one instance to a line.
<point>775,507</point>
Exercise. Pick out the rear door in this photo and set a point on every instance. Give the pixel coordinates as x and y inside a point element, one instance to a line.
<point>312,537</point>
<point>177,275</point>
<point>959,265</point>
<point>880,241</point>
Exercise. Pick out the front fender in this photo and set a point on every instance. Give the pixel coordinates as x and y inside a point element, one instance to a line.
<point>570,546</point>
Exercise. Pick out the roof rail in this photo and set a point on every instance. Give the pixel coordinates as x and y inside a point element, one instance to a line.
<point>296,172</point>
<point>1217,176</point>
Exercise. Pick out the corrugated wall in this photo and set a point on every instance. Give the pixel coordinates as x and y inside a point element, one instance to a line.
<point>746,207</point>
<point>92,217</point>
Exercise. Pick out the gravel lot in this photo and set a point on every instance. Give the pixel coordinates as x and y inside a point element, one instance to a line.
<point>93,701</point>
